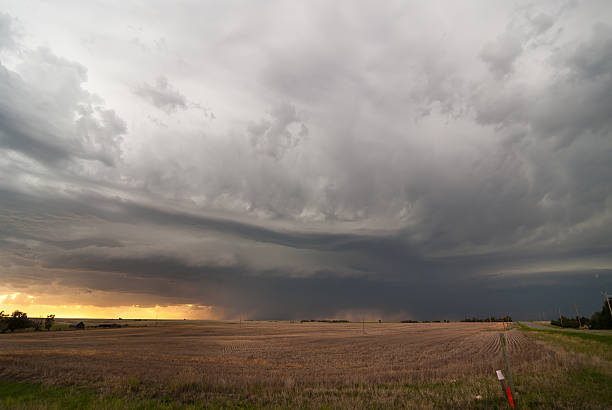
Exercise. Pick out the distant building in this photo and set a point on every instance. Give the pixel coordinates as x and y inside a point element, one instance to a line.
<point>79,325</point>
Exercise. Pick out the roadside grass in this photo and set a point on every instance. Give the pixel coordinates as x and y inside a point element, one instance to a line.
<point>590,344</point>
<point>578,387</point>
<point>583,381</point>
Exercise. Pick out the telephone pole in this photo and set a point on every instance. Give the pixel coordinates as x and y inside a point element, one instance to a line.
<point>608,300</point>
<point>577,315</point>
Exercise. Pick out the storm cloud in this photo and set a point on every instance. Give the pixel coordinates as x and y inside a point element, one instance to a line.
<point>408,160</point>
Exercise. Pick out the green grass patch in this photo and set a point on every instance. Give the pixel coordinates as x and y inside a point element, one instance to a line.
<point>21,395</point>
<point>582,387</point>
<point>591,344</point>
<point>598,337</point>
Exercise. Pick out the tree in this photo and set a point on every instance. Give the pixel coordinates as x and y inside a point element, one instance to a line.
<point>18,320</point>
<point>602,320</point>
<point>49,322</point>
<point>3,322</point>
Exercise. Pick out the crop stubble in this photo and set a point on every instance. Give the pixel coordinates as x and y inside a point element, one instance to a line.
<point>268,353</point>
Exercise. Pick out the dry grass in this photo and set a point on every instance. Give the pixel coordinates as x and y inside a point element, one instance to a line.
<point>283,364</point>
<point>269,353</point>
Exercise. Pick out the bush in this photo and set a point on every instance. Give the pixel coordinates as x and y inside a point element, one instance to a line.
<point>49,322</point>
<point>37,324</point>
<point>602,320</point>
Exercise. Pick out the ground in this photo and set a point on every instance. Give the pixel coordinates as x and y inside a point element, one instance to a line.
<point>282,364</point>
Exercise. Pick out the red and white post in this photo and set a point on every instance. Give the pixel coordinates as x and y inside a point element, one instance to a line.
<point>505,389</point>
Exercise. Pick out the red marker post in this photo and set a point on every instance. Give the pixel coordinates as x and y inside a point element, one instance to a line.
<point>505,389</point>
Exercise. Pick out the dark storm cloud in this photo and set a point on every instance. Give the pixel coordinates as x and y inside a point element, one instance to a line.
<point>130,213</point>
<point>364,159</point>
<point>265,294</point>
<point>393,279</point>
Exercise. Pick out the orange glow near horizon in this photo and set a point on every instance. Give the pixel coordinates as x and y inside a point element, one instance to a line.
<point>26,303</point>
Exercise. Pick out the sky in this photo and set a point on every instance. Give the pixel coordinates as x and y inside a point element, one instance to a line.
<point>293,160</point>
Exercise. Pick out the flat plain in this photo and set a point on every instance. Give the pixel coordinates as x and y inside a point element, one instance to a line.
<point>282,364</point>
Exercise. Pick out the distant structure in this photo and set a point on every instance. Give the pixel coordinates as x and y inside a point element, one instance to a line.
<point>79,325</point>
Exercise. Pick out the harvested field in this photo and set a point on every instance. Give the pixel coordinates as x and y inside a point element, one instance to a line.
<point>268,353</point>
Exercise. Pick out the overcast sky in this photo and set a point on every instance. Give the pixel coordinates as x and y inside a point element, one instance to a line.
<point>285,159</point>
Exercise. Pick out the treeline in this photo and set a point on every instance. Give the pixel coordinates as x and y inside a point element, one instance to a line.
<point>488,319</point>
<point>324,320</point>
<point>599,320</point>
<point>572,322</point>
<point>424,321</point>
<point>20,320</point>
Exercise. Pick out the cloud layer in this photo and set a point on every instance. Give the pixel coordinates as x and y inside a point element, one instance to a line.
<point>421,161</point>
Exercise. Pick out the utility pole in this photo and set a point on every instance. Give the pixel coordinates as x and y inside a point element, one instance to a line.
<point>560,317</point>
<point>608,300</point>
<point>577,315</point>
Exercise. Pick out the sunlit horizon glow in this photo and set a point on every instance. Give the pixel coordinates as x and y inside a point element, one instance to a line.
<point>11,302</point>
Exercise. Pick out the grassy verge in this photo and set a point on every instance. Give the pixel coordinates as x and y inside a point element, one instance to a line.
<point>590,344</point>
<point>583,381</point>
<point>581,387</point>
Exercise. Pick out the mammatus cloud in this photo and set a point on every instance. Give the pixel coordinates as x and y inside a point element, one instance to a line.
<point>374,163</point>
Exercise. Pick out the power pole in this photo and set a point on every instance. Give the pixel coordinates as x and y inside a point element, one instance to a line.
<point>560,317</point>
<point>577,315</point>
<point>608,300</point>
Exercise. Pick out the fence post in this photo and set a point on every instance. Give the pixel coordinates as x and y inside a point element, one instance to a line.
<point>503,343</point>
